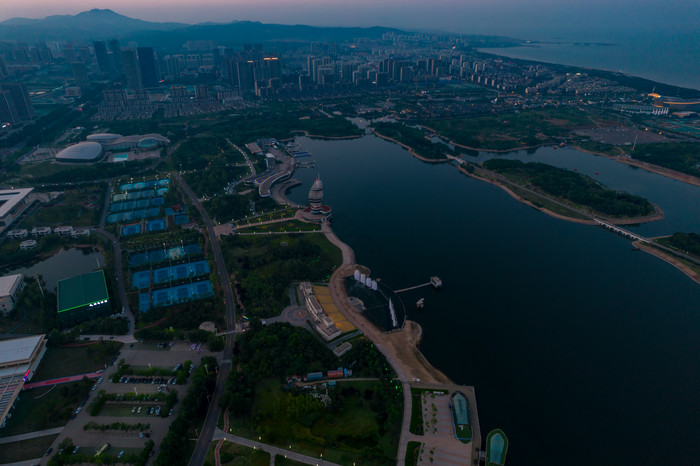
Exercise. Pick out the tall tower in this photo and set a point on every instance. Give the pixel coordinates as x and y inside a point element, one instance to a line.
<point>20,98</point>
<point>316,195</point>
<point>131,67</point>
<point>102,57</point>
<point>147,66</point>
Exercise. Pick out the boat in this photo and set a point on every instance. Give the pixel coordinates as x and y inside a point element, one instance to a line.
<point>420,303</point>
<point>436,282</point>
<point>496,448</point>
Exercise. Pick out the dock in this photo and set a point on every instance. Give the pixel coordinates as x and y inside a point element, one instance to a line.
<point>435,281</point>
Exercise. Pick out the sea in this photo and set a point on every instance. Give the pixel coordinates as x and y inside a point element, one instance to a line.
<point>670,57</point>
<point>582,349</point>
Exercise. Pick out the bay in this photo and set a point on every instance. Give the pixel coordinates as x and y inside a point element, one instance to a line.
<point>582,350</point>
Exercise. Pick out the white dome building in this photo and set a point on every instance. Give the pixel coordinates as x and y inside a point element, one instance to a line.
<point>83,152</point>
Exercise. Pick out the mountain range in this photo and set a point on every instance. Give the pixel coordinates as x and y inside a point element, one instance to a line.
<point>99,24</point>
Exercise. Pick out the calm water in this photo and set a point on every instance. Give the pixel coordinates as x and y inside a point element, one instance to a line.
<point>65,263</point>
<point>672,58</point>
<point>581,349</point>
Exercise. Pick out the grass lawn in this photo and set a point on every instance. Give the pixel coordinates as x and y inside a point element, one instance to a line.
<point>291,225</point>
<point>65,361</point>
<point>45,408</point>
<point>76,207</point>
<point>26,449</point>
<point>349,433</point>
<point>237,455</point>
<point>284,461</point>
<point>412,453</point>
<point>510,131</point>
<point>416,426</point>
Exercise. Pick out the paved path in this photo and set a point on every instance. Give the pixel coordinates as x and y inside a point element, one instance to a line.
<point>30,435</point>
<point>25,463</point>
<point>212,418</point>
<point>60,380</point>
<point>271,450</point>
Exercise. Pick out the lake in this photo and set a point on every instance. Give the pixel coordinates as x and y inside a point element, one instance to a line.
<point>583,350</point>
<point>66,263</point>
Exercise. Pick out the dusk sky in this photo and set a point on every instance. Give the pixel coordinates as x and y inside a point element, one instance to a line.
<point>598,20</point>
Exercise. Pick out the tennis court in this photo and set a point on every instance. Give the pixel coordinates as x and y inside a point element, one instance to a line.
<point>158,224</point>
<point>141,280</point>
<point>180,272</point>
<point>144,302</point>
<point>132,229</point>
<point>181,219</point>
<point>182,293</point>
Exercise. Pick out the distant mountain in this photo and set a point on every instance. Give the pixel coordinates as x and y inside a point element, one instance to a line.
<point>88,25</point>
<point>252,32</point>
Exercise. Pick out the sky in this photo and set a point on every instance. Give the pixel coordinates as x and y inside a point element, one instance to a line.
<point>589,20</point>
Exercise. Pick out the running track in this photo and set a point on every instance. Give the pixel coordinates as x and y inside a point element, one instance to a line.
<point>73,378</point>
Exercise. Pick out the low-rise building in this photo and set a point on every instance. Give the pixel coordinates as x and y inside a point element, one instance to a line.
<point>19,358</point>
<point>10,288</point>
<point>13,202</point>
<point>28,244</point>
<point>41,231</point>
<point>17,234</point>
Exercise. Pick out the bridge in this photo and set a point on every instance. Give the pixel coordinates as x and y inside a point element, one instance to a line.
<point>621,231</point>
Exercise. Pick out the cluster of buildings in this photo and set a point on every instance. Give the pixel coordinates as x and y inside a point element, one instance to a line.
<point>95,145</point>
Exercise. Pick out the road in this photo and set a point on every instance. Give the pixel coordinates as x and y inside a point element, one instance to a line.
<point>209,427</point>
<point>272,450</point>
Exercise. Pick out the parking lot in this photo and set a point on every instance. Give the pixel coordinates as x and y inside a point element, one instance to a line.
<point>137,355</point>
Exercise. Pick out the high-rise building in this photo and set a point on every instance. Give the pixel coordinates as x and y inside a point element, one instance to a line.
<point>8,112</point>
<point>102,58</point>
<point>116,55</point>
<point>147,66</point>
<point>20,98</point>
<point>131,68</point>
<point>80,74</point>
<point>246,81</point>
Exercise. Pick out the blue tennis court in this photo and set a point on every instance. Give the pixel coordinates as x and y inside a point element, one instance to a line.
<point>158,224</point>
<point>157,201</point>
<point>180,272</point>
<point>119,197</point>
<point>144,302</point>
<point>137,260</point>
<point>192,249</point>
<point>181,219</point>
<point>141,280</point>
<point>182,293</point>
<point>133,229</point>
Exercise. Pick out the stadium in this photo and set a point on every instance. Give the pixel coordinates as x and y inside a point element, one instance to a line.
<point>83,152</point>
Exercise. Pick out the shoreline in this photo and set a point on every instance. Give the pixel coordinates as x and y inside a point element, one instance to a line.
<point>318,136</point>
<point>412,364</point>
<point>669,259</point>
<point>410,149</point>
<point>658,215</point>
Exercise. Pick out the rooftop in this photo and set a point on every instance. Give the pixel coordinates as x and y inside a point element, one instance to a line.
<point>18,350</point>
<point>9,198</point>
<point>7,283</point>
<point>83,290</point>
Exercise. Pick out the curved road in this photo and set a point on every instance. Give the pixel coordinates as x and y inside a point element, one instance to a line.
<point>209,427</point>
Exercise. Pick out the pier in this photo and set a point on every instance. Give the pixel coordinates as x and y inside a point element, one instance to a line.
<point>435,281</point>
